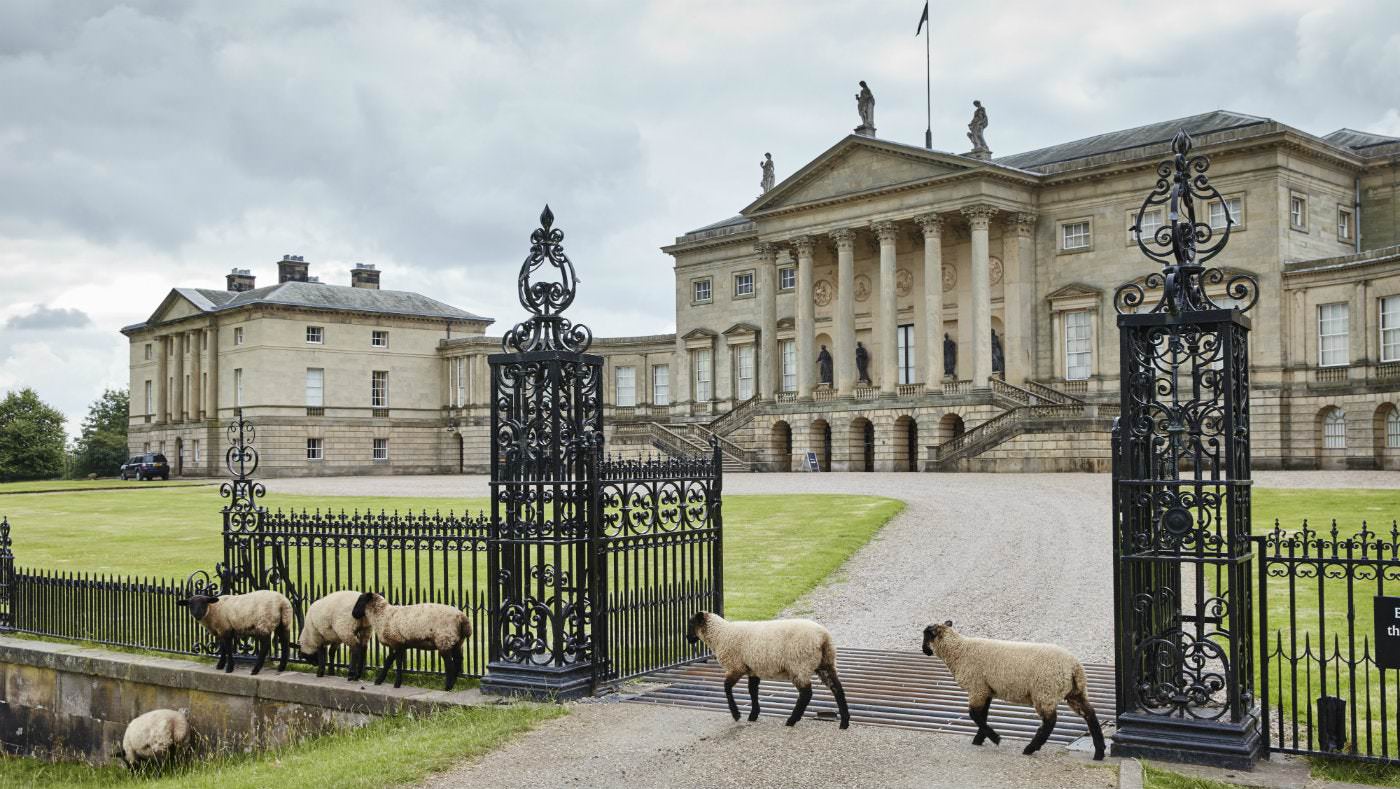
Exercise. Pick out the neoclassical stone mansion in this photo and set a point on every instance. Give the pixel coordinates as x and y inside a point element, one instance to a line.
<point>885,307</point>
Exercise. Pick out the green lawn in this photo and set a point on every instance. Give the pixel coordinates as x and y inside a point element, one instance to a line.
<point>386,752</point>
<point>61,485</point>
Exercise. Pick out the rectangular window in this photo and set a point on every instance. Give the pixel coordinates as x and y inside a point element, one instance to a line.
<point>315,387</point>
<point>146,447</point>
<point>1390,329</point>
<point>150,399</point>
<point>238,335</point>
<point>1074,235</point>
<point>194,449</point>
<point>1235,206</point>
<point>1392,429</point>
<point>1332,347</point>
<point>1343,224</point>
<point>787,349</point>
<point>1078,346</point>
<point>701,290</point>
<point>381,449</point>
<point>1151,220</point>
<point>238,386</point>
<point>379,389</point>
<point>703,374</point>
<point>379,339</point>
<point>148,352</point>
<point>1334,430</point>
<point>459,381</point>
<point>904,352</point>
<point>313,449</point>
<point>661,384</point>
<point>743,371</point>
<point>787,278</point>
<point>743,284</point>
<point>315,334</point>
<point>1298,212</point>
<point>625,387</point>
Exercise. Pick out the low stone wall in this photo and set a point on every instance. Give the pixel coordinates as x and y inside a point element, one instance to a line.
<point>1057,446</point>
<point>66,701</point>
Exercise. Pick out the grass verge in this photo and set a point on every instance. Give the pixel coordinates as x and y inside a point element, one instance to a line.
<point>1157,778</point>
<point>63,485</point>
<point>386,752</point>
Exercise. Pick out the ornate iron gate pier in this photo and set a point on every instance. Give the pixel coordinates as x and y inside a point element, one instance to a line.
<point>1181,492</point>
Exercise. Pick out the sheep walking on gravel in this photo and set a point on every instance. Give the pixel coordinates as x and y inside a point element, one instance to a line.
<point>1016,671</point>
<point>434,626</point>
<point>790,649</point>
<point>155,736</point>
<point>260,615</point>
<point>331,622</point>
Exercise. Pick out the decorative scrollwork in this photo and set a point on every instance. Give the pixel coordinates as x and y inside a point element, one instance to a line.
<point>548,329</point>
<point>1184,244</point>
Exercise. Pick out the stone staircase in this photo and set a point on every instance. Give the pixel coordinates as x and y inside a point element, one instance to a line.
<point>1030,407</point>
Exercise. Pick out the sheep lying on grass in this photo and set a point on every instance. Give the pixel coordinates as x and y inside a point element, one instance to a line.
<point>791,649</point>
<point>260,615</point>
<point>155,736</point>
<point>1015,671</point>
<point>421,626</point>
<point>330,622</point>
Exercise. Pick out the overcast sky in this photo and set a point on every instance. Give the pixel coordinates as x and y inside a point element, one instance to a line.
<point>145,145</point>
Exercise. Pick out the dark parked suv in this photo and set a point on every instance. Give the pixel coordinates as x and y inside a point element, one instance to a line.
<point>147,466</point>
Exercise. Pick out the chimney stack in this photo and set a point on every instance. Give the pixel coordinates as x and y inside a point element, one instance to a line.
<point>364,275</point>
<point>240,279</point>
<point>291,268</point>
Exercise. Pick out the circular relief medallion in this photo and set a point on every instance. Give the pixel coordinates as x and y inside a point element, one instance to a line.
<point>821,293</point>
<point>994,270</point>
<point>862,290</point>
<point>903,282</point>
<point>950,277</point>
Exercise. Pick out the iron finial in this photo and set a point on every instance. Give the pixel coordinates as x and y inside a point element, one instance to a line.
<point>547,329</point>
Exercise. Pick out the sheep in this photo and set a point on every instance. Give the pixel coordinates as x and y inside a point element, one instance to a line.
<point>329,623</point>
<point>153,736</point>
<point>1018,672</point>
<point>420,626</point>
<point>791,649</point>
<point>262,615</point>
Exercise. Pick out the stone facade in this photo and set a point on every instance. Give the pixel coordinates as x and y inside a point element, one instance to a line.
<point>979,290</point>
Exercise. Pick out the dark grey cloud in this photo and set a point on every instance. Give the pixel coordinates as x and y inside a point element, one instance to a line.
<point>146,144</point>
<point>44,318</point>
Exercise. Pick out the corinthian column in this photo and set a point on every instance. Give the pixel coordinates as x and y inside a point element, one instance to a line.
<point>806,320</point>
<point>885,328</point>
<point>980,217</point>
<point>195,395</point>
<point>768,319</point>
<point>845,311</point>
<point>162,376</point>
<point>181,340</point>
<point>932,308</point>
<point>1018,283</point>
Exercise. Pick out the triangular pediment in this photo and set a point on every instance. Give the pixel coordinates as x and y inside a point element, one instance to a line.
<point>741,328</point>
<point>174,307</point>
<point>859,165</point>
<point>695,334</point>
<point>1075,290</point>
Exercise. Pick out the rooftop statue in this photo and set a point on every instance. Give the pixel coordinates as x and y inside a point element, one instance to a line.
<point>865,105</point>
<point>767,166</point>
<point>976,128</point>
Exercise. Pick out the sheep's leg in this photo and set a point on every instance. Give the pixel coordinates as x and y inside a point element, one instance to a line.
<point>225,654</point>
<point>978,711</point>
<point>804,695</point>
<point>730,680</point>
<point>321,661</point>
<point>449,662</point>
<point>833,684</point>
<point>384,669</point>
<point>358,657</point>
<point>264,644</point>
<point>753,697</point>
<point>398,668</point>
<point>1079,702</point>
<point>1047,725</point>
<point>284,640</point>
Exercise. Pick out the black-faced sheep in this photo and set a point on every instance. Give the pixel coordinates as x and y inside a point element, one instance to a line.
<point>330,622</point>
<point>790,649</point>
<point>261,615</point>
<point>155,736</point>
<point>434,626</point>
<point>1022,673</point>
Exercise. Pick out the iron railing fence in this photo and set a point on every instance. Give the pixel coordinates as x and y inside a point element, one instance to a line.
<point>112,610</point>
<point>1323,687</point>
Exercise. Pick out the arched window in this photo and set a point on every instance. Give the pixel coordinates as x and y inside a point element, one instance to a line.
<point>1334,429</point>
<point>1392,429</point>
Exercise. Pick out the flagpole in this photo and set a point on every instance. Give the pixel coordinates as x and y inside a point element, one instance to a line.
<point>928,80</point>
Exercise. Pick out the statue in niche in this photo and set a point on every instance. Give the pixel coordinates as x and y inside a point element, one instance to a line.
<point>865,105</point>
<point>998,355</point>
<point>862,365</point>
<point>950,356</point>
<point>824,366</point>
<point>767,166</point>
<point>976,128</point>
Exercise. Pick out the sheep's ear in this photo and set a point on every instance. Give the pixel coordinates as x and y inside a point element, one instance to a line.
<point>358,611</point>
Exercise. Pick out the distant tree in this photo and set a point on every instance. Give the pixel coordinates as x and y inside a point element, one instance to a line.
<point>101,448</point>
<point>31,438</point>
